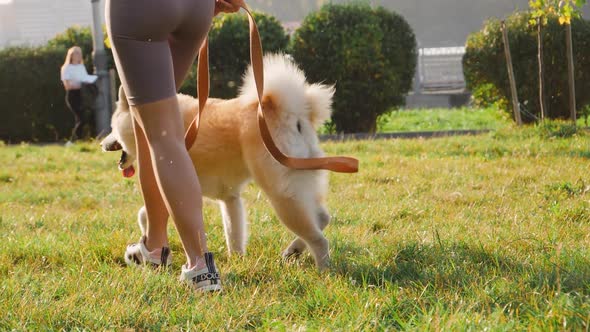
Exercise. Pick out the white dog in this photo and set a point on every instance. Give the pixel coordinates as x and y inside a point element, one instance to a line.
<point>229,152</point>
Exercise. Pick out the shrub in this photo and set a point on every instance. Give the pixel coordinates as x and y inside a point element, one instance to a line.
<point>32,93</point>
<point>370,54</point>
<point>484,65</point>
<point>486,95</point>
<point>75,36</point>
<point>556,129</point>
<point>31,89</point>
<point>82,36</point>
<point>229,51</point>
<point>33,98</point>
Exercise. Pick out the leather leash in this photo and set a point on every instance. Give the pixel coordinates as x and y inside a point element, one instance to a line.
<point>334,164</point>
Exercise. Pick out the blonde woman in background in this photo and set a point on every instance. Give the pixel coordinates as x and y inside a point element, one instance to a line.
<point>73,75</point>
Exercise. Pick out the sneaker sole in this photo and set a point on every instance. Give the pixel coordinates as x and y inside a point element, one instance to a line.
<point>133,264</point>
<point>209,288</point>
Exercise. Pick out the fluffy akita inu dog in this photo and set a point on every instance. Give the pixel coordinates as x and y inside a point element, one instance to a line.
<point>229,152</point>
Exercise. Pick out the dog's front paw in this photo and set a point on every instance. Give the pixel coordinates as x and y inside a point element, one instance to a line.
<point>294,250</point>
<point>290,254</point>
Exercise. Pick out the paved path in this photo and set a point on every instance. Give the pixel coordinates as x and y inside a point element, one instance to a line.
<point>408,134</point>
<point>364,136</point>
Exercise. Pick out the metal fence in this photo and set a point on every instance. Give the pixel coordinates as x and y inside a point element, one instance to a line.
<point>440,70</point>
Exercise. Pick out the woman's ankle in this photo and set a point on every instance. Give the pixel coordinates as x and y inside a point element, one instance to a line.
<point>154,244</point>
<point>156,253</point>
<point>197,263</point>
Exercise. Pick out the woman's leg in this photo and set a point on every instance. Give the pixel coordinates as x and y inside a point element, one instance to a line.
<point>146,64</point>
<point>183,57</point>
<point>74,103</point>
<point>174,174</point>
<point>157,215</point>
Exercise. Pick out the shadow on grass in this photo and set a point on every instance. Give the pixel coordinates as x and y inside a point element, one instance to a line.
<point>460,267</point>
<point>578,153</point>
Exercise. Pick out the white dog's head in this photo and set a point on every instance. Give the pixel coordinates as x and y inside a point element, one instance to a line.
<point>122,137</point>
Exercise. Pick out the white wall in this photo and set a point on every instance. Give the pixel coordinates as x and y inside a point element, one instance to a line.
<point>437,23</point>
<point>34,22</point>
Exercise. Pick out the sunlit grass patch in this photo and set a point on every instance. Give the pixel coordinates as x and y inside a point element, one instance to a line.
<point>474,232</point>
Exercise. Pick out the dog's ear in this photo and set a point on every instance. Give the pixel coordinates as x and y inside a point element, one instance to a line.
<point>123,98</point>
<point>110,143</point>
<point>319,100</point>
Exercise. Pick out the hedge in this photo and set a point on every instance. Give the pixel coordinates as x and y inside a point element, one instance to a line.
<point>369,54</point>
<point>32,95</point>
<point>485,66</point>
<point>82,36</point>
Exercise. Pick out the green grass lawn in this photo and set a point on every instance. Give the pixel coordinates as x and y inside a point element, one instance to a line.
<point>440,119</point>
<point>461,233</point>
<point>443,119</point>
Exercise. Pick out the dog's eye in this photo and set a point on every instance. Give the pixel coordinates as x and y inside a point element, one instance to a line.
<point>299,126</point>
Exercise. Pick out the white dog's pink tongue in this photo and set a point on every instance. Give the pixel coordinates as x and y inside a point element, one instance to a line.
<point>129,171</point>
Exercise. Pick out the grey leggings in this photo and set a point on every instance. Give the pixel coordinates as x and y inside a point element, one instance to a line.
<point>155,42</point>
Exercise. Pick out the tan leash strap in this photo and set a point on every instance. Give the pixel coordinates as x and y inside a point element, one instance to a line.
<point>202,94</point>
<point>335,164</point>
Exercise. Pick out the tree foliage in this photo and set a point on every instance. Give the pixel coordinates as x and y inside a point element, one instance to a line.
<point>484,64</point>
<point>565,10</point>
<point>33,98</point>
<point>229,49</point>
<point>82,37</point>
<point>368,53</point>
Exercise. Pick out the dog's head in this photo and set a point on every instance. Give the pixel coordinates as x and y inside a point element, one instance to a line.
<point>121,137</point>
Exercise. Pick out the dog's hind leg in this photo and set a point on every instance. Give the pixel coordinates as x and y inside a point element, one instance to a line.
<point>298,246</point>
<point>234,224</point>
<point>295,198</point>
<point>296,215</point>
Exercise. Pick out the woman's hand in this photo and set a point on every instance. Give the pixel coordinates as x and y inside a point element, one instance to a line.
<point>227,6</point>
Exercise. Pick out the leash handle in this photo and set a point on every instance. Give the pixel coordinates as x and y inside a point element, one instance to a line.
<point>334,164</point>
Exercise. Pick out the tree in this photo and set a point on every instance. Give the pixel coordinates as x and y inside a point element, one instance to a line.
<point>565,11</point>
<point>484,65</point>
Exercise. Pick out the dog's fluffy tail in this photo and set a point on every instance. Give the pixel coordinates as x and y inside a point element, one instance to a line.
<point>286,84</point>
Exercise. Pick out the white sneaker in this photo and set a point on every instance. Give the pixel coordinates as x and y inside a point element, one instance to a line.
<point>206,279</point>
<point>137,254</point>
